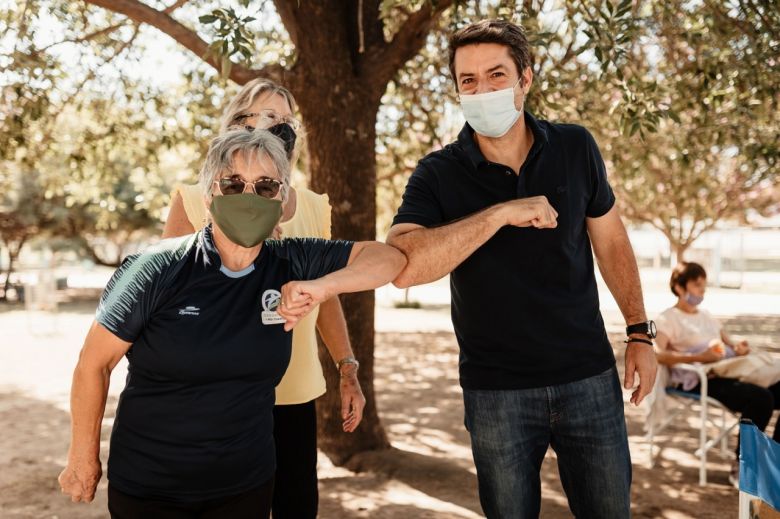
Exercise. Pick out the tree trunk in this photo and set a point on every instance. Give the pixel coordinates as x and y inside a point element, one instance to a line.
<point>13,254</point>
<point>679,250</point>
<point>343,67</point>
<point>96,258</point>
<point>343,165</point>
<point>7,284</point>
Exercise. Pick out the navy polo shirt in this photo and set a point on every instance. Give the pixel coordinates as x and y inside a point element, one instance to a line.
<point>525,307</point>
<point>194,421</point>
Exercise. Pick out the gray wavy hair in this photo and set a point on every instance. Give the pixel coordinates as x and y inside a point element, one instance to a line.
<point>250,145</point>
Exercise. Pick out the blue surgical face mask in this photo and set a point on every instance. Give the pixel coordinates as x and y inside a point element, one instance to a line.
<point>693,300</point>
<point>491,114</point>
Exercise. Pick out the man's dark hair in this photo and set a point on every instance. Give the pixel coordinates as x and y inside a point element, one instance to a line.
<point>684,272</point>
<point>493,31</point>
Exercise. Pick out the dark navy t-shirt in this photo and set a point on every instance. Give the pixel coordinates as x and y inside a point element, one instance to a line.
<point>194,421</point>
<point>524,305</point>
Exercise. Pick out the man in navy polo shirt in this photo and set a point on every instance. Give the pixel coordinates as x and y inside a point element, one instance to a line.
<point>511,210</point>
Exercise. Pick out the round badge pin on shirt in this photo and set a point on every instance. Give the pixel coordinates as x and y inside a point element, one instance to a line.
<point>271,300</point>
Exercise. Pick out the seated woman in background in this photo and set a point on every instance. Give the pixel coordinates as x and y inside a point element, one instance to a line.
<point>204,322</point>
<point>688,333</point>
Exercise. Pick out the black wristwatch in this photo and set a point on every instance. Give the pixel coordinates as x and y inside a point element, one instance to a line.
<point>646,328</point>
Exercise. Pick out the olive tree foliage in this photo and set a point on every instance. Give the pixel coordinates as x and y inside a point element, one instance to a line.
<point>716,159</point>
<point>682,98</point>
<point>577,46</point>
<point>88,153</point>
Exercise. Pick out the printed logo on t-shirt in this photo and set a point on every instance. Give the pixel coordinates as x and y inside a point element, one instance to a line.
<point>270,301</point>
<point>189,310</point>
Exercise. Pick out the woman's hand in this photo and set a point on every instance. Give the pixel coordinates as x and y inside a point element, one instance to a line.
<point>299,298</point>
<point>352,399</point>
<point>79,480</point>
<point>714,353</point>
<point>742,348</point>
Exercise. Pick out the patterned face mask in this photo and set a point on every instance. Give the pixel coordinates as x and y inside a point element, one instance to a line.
<point>693,300</point>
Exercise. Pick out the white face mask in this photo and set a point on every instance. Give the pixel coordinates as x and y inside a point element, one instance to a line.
<point>491,114</point>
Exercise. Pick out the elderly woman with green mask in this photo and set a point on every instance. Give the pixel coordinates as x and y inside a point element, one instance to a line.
<point>204,321</point>
<point>264,104</point>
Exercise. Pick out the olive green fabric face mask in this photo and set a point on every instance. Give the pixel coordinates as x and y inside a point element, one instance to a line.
<point>246,219</point>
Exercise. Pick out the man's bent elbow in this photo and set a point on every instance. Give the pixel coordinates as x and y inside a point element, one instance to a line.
<point>402,281</point>
<point>407,277</point>
<point>399,262</point>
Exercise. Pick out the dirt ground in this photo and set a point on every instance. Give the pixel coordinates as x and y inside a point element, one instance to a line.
<point>428,474</point>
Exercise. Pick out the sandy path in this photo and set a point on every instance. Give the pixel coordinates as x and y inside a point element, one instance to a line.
<point>431,474</point>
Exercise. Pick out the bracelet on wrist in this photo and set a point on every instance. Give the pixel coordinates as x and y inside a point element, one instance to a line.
<point>348,361</point>
<point>637,339</point>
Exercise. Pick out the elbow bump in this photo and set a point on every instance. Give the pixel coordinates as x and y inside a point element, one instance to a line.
<point>404,280</point>
<point>401,261</point>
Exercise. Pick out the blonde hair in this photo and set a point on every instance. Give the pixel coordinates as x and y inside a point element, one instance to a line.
<point>246,97</point>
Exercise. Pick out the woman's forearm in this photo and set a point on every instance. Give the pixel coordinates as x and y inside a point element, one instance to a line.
<point>669,358</point>
<point>374,265</point>
<point>87,406</point>
<point>333,329</point>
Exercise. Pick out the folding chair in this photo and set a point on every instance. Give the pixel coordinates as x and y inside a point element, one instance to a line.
<point>711,412</point>
<point>759,468</point>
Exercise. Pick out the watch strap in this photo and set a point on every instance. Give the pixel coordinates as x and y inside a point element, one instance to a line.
<point>637,339</point>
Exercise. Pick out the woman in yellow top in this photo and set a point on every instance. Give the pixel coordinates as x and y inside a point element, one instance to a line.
<point>263,104</point>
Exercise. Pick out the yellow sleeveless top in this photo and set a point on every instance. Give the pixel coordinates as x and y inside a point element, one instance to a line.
<point>303,380</point>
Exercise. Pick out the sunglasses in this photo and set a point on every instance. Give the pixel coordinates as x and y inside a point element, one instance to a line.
<point>265,187</point>
<point>266,118</point>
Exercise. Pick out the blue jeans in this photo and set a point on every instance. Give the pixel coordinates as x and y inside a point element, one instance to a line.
<point>583,421</point>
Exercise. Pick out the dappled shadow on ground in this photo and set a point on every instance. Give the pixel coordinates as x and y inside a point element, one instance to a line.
<point>428,474</point>
<point>420,402</point>
<point>33,450</point>
<point>437,477</point>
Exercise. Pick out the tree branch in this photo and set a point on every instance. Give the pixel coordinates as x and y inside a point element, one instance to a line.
<point>171,8</point>
<point>744,27</point>
<point>373,26</point>
<point>696,234</point>
<point>407,41</point>
<point>23,26</point>
<point>142,13</point>
<point>50,134</point>
<point>88,37</point>
<point>768,24</point>
<point>90,251</point>
<point>287,12</point>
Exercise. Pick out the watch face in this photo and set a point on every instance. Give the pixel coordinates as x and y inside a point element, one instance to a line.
<point>647,328</point>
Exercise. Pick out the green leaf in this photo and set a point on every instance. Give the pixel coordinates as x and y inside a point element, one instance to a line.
<point>624,7</point>
<point>226,67</point>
